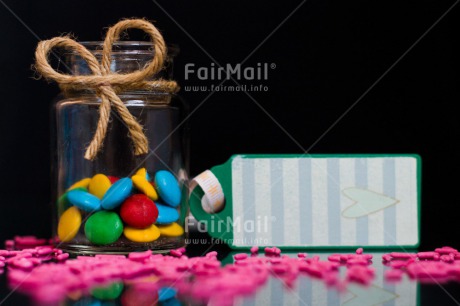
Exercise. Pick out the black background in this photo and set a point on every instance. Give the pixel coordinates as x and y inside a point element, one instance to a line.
<point>327,54</point>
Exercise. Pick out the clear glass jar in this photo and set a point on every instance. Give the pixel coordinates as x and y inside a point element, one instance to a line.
<point>75,119</point>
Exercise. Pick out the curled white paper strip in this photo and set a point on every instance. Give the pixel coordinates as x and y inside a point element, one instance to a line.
<point>213,200</point>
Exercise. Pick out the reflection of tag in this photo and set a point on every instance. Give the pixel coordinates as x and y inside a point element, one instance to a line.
<point>313,292</point>
<point>371,295</point>
<point>315,201</point>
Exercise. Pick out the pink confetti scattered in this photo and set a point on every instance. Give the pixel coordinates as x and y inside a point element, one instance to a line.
<point>197,278</point>
<point>360,274</point>
<point>426,255</point>
<point>48,274</point>
<point>211,254</point>
<point>268,251</point>
<point>352,259</point>
<point>62,257</point>
<point>240,256</point>
<point>400,255</point>
<point>400,264</point>
<point>139,256</point>
<point>175,253</point>
<point>438,266</point>
<point>9,244</point>
<point>22,242</point>
<point>273,251</point>
<point>446,250</point>
<point>393,275</point>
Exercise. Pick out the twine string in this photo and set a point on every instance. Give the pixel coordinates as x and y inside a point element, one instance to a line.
<point>106,83</point>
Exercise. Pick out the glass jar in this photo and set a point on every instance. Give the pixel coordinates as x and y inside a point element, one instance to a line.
<point>144,219</point>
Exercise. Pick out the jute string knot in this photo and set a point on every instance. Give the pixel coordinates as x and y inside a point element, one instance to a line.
<point>106,83</point>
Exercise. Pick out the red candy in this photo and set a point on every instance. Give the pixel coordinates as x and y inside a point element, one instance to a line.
<point>113,179</point>
<point>138,296</point>
<point>139,211</point>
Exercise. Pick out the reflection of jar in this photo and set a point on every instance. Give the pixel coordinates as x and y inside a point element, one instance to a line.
<point>118,227</point>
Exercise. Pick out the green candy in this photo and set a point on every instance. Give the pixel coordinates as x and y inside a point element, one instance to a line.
<point>103,227</point>
<point>110,292</point>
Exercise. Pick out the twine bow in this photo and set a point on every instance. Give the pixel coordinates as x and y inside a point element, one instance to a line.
<point>105,83</point>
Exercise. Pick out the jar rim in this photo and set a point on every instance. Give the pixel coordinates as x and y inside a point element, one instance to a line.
<point>129,47</point>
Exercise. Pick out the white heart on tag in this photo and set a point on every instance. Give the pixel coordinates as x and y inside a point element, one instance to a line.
<point>366,202</point>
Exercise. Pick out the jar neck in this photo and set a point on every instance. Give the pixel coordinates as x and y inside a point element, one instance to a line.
<point>148,97</point>
<point>126,57</point>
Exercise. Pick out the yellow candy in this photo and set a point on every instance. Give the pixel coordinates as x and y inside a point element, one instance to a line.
<point>141,183</point>
<point>142,172</point>
<point>141,280</point>
<point>148,234</point>
<point>75,295</point>
<point>69,224</point>
<point>99,185</point>
<point>82,183</point>
<point>171,230</point>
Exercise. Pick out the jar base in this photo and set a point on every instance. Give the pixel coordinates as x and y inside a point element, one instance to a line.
<point>79,249</point>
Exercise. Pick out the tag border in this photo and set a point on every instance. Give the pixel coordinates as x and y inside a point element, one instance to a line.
<point>224,174</point>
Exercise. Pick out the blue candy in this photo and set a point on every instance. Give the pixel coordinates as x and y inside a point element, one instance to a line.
<point>117,193</point>
<point>168,188</point>
<point>171,302</point>
<point>84,200</point>
<point>166,214</point>
<point>166,293</point>
<point>89,301</point>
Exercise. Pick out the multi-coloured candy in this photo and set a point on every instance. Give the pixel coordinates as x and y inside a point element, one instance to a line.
<point>139,211</point>
<point>117,193</point>
<point>141,184</point>
<point>148,234</point>
<point>171,230</point>
<point>103,227</point>
<point>69,224</point>
<point>168,188</point>
<point>84,200</point>
<point>119,206</point>
<point>166,214</point>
